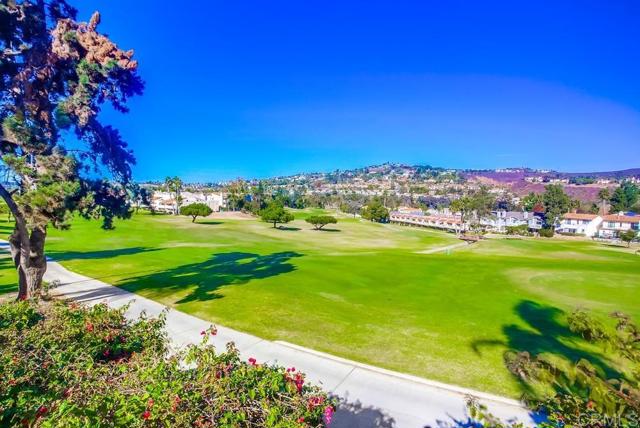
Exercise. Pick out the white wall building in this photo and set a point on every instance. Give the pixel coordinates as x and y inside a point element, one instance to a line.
<point>501,219</point>
<point>451,223</point>
<point>613,224</point>
<point>165,202</point>
<point>581,224</point>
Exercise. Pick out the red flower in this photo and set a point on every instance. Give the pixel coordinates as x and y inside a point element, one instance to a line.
<point>150,403</point>
<point>146,414</point>
<point>252,361</point>
<point>41,411</point>
<point>202,333</point>
<point>89,326</point>
<point>301,419</point>
<point>590,405</point>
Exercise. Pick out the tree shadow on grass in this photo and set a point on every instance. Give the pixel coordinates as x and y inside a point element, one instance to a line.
<point>102,254</point>
<point>288,228</point>
<point>328,230</point>
<point>6,286</point>
<point>207,277</point>
<point>208,222</point>
<point>547,334</point>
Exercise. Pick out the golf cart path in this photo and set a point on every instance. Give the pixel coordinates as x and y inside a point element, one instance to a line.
<point>370,396</point>
<point>445,248</point>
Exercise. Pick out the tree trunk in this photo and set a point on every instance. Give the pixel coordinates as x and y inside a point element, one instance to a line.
<point>29,259</point>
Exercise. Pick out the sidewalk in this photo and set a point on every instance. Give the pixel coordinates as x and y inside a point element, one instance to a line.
<point>371,397</point>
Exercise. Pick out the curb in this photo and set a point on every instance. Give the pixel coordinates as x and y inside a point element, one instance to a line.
<point>431,383</point>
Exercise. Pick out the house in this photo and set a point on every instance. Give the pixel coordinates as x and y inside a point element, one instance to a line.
<point>579,224</point>
<point>443,222</point>
<point>613,224</point>
<point>501,219</point>
<point>165,201</point>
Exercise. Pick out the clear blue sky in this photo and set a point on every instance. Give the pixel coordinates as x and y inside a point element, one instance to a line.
<point>259,88</point>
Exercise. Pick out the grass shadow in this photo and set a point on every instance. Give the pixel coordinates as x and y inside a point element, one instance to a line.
<point>209,222</point>
<point>207,277</point>
<point>102,254</point>
<point>547,333</point>
<point>288,228</point>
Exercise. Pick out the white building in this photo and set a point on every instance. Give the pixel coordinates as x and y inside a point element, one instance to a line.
<point>613,224</point>
<point>450,223</point>
<point>501,219</point>
<point>165,201</point>
<point>580,224</point>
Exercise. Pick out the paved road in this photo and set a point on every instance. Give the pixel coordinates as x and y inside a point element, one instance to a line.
<point>370,397</point>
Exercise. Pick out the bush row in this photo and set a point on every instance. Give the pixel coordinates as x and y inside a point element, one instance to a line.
<point>65,365</point>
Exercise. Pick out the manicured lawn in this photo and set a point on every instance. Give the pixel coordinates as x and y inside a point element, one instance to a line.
<point>363,290</point>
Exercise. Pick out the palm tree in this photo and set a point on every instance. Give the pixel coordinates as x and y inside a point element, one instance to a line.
<point>603,196</point>
<point>173,185</point>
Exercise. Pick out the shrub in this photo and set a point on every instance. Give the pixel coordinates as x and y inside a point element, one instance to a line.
<point>521,230</point>
<point>63,365</point>
<point>579,393</point>
<point>546,232</point>
<point>320,221</point>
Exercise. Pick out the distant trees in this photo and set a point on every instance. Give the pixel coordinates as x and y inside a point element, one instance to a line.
<point>376,211</point>
<point>320,221</point>
<point>196,210</point>
<point>530,201</point>
<point>555,202</point>
<point>624,197</point>
<point>174,185</point>
<point>275,213</point>
<point>474,206</point>
<point>140,196</point>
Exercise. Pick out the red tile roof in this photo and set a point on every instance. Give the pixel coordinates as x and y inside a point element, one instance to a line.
<point>578,216</point>
<point>622,218</point>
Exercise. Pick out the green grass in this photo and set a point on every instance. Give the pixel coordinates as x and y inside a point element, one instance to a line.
<point>363,291</point>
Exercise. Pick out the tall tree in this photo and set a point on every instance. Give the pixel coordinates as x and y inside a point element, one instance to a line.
<point>56,74</point>
<point>603,196</point>
<point>556,203</point>
<point>174,186</point>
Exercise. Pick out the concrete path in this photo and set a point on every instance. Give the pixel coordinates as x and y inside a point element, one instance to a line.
<point>370,396</point>
<point>443,249</point>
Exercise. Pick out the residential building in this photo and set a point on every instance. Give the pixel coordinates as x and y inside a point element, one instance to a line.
<point>165,201</point>
<point>501,219</point>
<point>580,224</point>
<point>614,224</point>
<point>443,222</point>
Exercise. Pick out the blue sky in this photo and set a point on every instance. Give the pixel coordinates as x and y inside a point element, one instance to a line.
<point>263,88</point>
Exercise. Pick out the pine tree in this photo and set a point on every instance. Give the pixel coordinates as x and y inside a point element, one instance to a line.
<point>56,74</point>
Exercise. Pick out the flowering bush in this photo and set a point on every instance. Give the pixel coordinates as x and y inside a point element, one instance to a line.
<point>64,365</point>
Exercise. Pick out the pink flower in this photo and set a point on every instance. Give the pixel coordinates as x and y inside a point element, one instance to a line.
<point>328,415</point>
<point>202,333</point>
<point>252,361</point>
<point>146,414</point>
